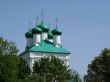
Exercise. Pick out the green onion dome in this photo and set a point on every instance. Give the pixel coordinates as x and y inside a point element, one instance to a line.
<point>36,30</point>
<point>26,48</point>
<point>28,35</point>
<point>50,35</point>
<point>43,27</point>
<point>56,31</point>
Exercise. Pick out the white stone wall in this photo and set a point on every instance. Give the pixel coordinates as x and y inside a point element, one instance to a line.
<point>44,35</point>
<point>57,40</point>
<point>36,38</point>
<point>29,42</point>
<point>51,40</point>
<point>35,56</point>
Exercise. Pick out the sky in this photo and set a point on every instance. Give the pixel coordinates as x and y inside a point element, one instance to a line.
<point>85,25</point>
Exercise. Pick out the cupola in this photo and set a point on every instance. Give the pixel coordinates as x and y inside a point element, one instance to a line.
<point>29,37</point>
<point>56,31</point>
<point>45,30</point>
<point>50,36</point>
<point>36,30</point>
<point>36,35</point>
<point>57,37</point>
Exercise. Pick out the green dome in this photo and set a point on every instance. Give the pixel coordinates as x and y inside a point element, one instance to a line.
<point>43,27</point>
<point>28,35</point>
<point>50,35</point>
<point>56,31</point>
<point>36,30</point>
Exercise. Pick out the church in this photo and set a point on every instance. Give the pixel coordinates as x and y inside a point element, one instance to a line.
<point>43,42</point>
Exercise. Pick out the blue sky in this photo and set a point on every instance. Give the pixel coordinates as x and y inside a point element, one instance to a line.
<point>85,25</point>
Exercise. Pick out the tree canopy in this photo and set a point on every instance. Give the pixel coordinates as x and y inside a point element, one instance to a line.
<point>99,69</point>
<point>7,47</point>
<point>12,67</point>
<point>53,69</point>
<point>15,69</point>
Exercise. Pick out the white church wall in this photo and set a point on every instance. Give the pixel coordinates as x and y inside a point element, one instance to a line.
<point>25,56</point>
<point>35,56</point>
<point>36,38</point>
<point>57,40</point>
<point>51,40</point>
<point>31,57</point>
<point>44,35</point>
<point>29,42</point>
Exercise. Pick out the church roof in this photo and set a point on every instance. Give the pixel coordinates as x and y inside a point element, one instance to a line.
<point>50,35</point>
<point>47,47</point>
<point>36,30</point>
<point>56,31</point>
<point>43,27</point>
<point>28,34</point>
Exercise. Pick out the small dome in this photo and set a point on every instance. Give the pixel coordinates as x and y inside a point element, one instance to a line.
<point>56,31</point>
<point>43,27</point>
<point>50,35</point>
<point>36,30</point>
<point>28,35</point>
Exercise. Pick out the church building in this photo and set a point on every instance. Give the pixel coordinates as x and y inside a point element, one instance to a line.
<point>43,42</point>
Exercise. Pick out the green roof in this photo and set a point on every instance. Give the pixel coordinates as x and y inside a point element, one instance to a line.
<point>47,47</point>
<point>43,27</point>
<point>56,31</point>
<point>50,35</point>
<point>28,34</point>
<point>36,30</point>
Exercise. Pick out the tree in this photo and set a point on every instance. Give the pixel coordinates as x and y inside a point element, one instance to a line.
<point>36,78</point>
<point>12,67</point>
<point>76,77</point>
<point>24,69</point>
<point>7,48</point>
<point>99,69</point>
<point>53,69</point>
<point>15,69</point>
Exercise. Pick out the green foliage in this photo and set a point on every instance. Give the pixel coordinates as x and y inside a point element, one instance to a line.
<point>24,69</point>
<point>76,77</point>
<point>7,48</point>
<point>13,68</point>
<point>99,69</point>
<point>37,78</point>
<point>53,69</point>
